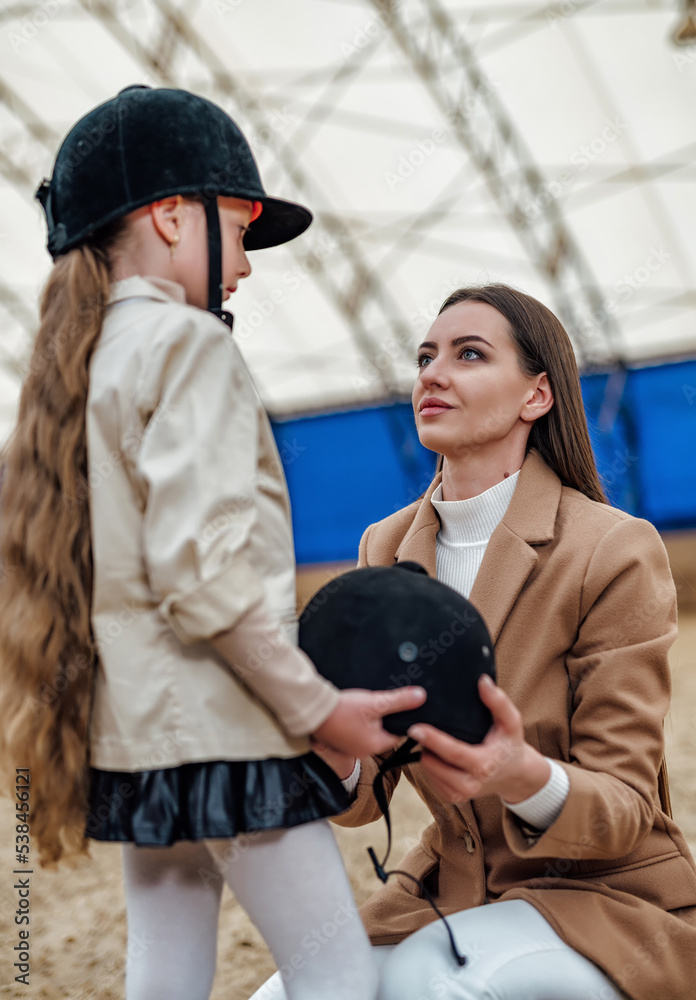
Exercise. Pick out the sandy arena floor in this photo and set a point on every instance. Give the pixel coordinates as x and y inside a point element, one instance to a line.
<point>78,927</point>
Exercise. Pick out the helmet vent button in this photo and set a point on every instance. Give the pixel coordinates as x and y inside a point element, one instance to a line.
<point>408,651</point>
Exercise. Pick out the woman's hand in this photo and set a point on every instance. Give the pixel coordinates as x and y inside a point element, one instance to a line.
<point>504,764</point>
<point>354,728</point>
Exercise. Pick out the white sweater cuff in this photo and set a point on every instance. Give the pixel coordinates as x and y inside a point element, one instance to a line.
<point>351,782</point>
<point>543,808</point>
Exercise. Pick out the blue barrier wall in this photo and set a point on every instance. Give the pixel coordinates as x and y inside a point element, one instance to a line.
<point>346,470</point>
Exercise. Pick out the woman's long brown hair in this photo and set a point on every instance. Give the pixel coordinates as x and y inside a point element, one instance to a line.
<point>561,436</point>
<point>47,653</point>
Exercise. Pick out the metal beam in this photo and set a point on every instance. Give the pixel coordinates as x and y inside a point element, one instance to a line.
<point>35,137</point>
<point>36,126</point>
<point>23,171</point>
<point>344,274</point>
<point>485,130</point>
<point>18,310</point>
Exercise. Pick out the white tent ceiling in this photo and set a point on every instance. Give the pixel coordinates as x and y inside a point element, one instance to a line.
<point>437,142</point>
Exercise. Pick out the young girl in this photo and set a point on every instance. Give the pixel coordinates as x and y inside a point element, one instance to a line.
<point>560,819</point>
<point>147,622</point>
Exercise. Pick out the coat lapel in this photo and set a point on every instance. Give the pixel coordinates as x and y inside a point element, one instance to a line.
<point>506,567</point>
<point>418,544</point>
<point>510,555</point>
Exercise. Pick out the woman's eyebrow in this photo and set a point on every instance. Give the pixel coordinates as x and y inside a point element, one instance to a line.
<point>459,340</point>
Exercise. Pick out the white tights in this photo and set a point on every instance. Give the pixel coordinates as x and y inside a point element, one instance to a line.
<point>293,886</point>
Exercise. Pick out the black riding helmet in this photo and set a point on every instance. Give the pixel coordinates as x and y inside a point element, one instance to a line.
<point>144,145</point>
<point>384,627</point>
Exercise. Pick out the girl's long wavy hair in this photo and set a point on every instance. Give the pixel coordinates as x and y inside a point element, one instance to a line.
<point>561,436</point>
<point>47,652</point>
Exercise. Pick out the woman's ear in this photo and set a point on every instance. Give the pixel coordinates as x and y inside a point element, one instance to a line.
<point>539,401</point>
<point>167,217</point>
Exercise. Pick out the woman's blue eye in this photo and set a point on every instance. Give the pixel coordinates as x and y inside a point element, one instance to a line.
<point>462,354</point>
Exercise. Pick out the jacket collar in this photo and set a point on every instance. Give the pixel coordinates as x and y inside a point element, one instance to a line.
<point>418,544</point>
<point>510,557</point>
<point>147,287</point>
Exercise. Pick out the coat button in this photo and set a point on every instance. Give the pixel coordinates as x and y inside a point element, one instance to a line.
<point>469,842</point>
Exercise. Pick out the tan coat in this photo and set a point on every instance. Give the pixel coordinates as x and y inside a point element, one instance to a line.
<point>191,527</point>
<point>580,603</point>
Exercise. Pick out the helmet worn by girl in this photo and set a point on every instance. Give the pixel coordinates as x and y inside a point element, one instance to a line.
<point>147,144</point>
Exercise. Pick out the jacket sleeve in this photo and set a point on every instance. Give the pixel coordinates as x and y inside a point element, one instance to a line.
<point>277,671</point>
<point>619,694</point>
<point>362,550</point>
<point>364,808</point>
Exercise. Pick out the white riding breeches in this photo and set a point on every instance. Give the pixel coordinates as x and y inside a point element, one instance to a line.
<point>512,953</point>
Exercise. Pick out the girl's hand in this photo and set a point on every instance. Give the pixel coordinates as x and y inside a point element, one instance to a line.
<point>504,764</point>
<point>354,728</point>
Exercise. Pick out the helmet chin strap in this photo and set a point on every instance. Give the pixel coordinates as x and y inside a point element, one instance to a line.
<point>404,754</point>
<point>212,216</point>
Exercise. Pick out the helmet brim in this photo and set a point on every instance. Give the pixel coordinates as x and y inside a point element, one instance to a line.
<point>279,222</point>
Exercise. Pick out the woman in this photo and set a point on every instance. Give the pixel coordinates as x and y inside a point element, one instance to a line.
<point>561,816</point>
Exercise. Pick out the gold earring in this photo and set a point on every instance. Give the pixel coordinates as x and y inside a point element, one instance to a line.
<point>172,246</point>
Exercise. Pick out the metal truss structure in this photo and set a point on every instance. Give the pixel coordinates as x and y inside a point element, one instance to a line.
<point>343,275</point>
<point>447,65</point>
<point>436,50</point>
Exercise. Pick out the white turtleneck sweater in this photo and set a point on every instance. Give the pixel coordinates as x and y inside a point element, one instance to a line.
<point>466,528</point>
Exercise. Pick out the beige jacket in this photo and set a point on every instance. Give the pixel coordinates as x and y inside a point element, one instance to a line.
<point>190,529</point>
<point>581,606</point>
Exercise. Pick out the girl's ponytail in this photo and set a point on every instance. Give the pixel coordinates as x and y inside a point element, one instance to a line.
<point>47,653</point>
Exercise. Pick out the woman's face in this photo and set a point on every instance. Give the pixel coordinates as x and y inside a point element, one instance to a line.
<point>470,392</point>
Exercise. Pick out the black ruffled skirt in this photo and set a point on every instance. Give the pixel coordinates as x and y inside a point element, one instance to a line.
<point>211,799</point>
